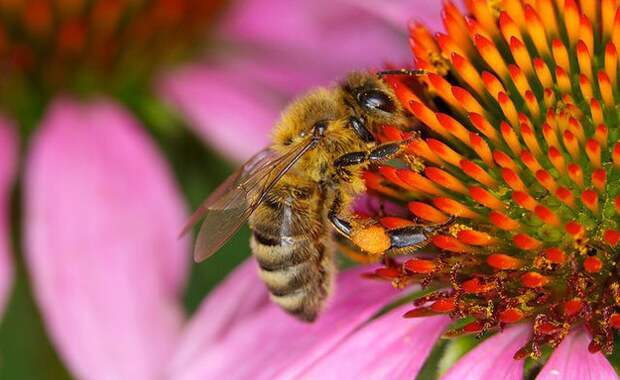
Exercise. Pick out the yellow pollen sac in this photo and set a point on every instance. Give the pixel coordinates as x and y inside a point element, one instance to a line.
<point>373,239</point>
<point>524,132</point>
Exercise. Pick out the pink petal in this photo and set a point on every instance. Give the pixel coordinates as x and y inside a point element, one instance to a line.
<point>101,217</point>
<point>493,358</point>
<point>389,347</point>
<point>233,302</point>
<point>271,344</point>
<point>8,163</point>
<point>287,25</point>
<point>322,27</point>
<point>571,360</point>
<point>224,109</point>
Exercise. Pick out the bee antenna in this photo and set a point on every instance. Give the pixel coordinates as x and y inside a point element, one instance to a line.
<point>408,72</point>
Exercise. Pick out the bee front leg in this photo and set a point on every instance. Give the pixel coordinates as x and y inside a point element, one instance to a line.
<point>359,127</point>
<point>378,153</point>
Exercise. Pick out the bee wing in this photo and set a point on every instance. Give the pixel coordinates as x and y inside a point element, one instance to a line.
<point>225,187</point>
<point>232,203</point>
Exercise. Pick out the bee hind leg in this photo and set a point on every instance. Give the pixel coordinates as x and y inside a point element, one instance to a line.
<point>406,240</point>
<point>353,252</point>
<point>341,225</point>
<point>376,240</point>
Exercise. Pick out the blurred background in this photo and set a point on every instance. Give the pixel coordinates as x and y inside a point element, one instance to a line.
<point>118,118</point>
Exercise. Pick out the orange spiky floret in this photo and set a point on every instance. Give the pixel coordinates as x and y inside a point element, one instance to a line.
<point>521,149</point>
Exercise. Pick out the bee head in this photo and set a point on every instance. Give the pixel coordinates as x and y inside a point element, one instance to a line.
<point>371,100</point>
<point>369,94</point>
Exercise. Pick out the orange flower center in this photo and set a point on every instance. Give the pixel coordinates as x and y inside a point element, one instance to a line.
<point>521,146</point>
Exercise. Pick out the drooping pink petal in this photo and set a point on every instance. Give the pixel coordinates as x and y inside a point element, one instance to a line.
<point>237,299</point>
<point>8,161</point>
<point>271,344</point>
<point>323,32</point>
<point>225,109</point>
<point>390,347</point>
<point>277,49</point>
<point>402,12</point>
<point>493,358</point>
<point>101,217</point>
<point>571,360</point>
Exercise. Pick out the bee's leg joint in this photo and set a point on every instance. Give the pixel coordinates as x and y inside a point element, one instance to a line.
<point>378,153</point>
<point>360,129</point>
<point>408,237</point>
<point>384,151</point>
<point>353,158</point>
<point>341,225</point>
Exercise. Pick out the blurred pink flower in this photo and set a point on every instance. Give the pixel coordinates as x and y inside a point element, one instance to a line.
<point>234,98</point>
<point>102,213</point>
<point>8,161</point>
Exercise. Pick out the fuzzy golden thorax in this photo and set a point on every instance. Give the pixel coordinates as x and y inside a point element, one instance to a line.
<point>297,126</point>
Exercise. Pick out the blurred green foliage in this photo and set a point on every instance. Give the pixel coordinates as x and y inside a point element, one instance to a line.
<point>25,351</point>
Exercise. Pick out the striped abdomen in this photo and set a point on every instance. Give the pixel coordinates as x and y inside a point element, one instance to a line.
<point>295,263</point>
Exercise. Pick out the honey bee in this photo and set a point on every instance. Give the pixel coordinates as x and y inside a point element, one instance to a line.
<point>297,191</point>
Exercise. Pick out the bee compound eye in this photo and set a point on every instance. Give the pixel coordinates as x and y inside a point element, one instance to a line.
<point>376,100</point>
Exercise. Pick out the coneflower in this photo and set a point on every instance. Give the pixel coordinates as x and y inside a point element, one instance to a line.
<point>515,168</point>
<point>521,163</point>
